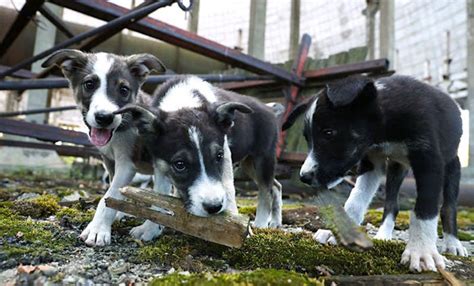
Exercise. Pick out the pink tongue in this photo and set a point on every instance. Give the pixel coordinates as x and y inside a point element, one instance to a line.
<point>100,136</point>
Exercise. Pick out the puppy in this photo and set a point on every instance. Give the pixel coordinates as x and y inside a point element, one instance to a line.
<point>194,133</point>
<point>102,83</point>
<point>388,125</point>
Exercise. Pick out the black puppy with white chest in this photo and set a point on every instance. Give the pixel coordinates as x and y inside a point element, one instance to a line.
<point>388,125</point>
<point>196,131</point>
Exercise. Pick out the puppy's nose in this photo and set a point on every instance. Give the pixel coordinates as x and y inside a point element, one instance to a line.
<point>307,178</point>
<point>104,119</point>
<point>212,208</point>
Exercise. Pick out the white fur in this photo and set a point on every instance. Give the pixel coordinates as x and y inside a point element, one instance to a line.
<point>334,183</point>
<point>310,164</point>
<point>379,85</point>
<point>182,96</point>
<point>204,189</point>
<point>421,252</point>
<point>100,101</point>
<point>311,111</point>
<point>325,236</point>
<point>386,229</point>
<point>361,195</point>
<point>452,245</point>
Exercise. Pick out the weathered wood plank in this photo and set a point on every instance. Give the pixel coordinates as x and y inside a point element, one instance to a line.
<point>226,229</point>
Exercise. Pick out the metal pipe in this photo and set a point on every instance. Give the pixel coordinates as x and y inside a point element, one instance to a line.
<point>49,83</point>
<point>36,111</point>
<point>102,29</point>
<point>56,21</point>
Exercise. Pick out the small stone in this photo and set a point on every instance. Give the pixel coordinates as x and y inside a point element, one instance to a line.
<point>471,242</point>
<point>118,267</point>
<point>69,279</point>
<point>27,196</point>
<point>47,270</point>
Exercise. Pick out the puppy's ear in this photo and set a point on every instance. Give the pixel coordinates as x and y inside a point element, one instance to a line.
<point>144,119</point>
<point>297,111</point>
<point>354,89</point>
<point>68,60</point>
<point>225,113</point>
<point>141,65</point>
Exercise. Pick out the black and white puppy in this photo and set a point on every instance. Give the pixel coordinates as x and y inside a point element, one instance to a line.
<point>388,125</point>
<point>196,131</point>
<point>102,83</point>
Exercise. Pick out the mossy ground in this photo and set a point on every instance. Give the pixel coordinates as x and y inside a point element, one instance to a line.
<point>465,220</point>
<point>261,277</point>
<point>42,230</point>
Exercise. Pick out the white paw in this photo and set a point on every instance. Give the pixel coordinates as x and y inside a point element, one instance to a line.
<point>383,235</point>
<point>275,223</point>
<point>325,236</point>
<point>452,245</point>
<point>260,223</point>
<point>147,231</point>
<point>96,234</point>
<point>422,258</point>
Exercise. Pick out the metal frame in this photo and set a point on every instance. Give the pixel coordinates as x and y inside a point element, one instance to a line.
<point>119,18</point>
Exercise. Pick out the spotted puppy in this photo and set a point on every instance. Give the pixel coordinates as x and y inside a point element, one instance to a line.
<point>196,131</point>
<point>388,125</point>
<point>102,83</point>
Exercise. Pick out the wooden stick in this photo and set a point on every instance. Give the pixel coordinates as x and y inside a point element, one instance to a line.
<point>226,229</point>
<point>335,217</point>
<point>449,277</point>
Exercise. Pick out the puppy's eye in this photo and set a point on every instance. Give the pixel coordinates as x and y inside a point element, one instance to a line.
<point>329,132</point>
<point>219,156</point>
<point>179,166</point>
<point>89,85</point>
<point>124,91</point>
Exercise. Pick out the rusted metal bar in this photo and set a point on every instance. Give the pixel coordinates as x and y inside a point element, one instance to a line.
<point>291,99</point>
<point>37,111</point>
<point>374,66</point>
<point>20,73</point>
<point>292,158</point>
<point>107,11</point>
<point>43,132</point>
<point>329,73</point>
<point>56,21</point>
<point>126,18</point>
<point>157,79</point>
<point>63,150</point>
<point>27,12</point>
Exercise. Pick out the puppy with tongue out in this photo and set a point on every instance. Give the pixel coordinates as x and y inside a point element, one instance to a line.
<point>102,83</point>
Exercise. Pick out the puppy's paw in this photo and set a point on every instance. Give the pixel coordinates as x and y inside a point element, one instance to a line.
<point>452,245</point>
<point>96,234</point>
<point>325,236</point>
<point>147,231</point>
<point>422,258</point>
<point>383,235</point>
<point>261,223</point>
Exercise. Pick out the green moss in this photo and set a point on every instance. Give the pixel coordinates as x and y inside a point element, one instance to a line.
<point>248,209</point>
<point>26,236</point>
<point>257,278</point>
<point>276,249</point>
<point>462,235</point>
<point>42,206</point>
<point>401,223</point>
<point>465,219</point>
<point>273,249</point>
<point>74,215</point>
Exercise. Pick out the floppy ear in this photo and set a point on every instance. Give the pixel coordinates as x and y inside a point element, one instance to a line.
<point>67,60</point>
<point>297,111</point>
<point>141,65</point>
<point>353,89</point>
<point>225,113</point>
<point>145,120</point>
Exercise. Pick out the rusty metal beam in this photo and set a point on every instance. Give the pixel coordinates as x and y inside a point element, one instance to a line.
<point>37,111</point>
<point>43,132</point>
<point>156,79</point>
<point>56,21</point>
<point>320,75</point>
<point>27,12</point>
<point>118,21</point>
<point>63,150</point>
<point>107,11</point>
<point>291,99</point>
